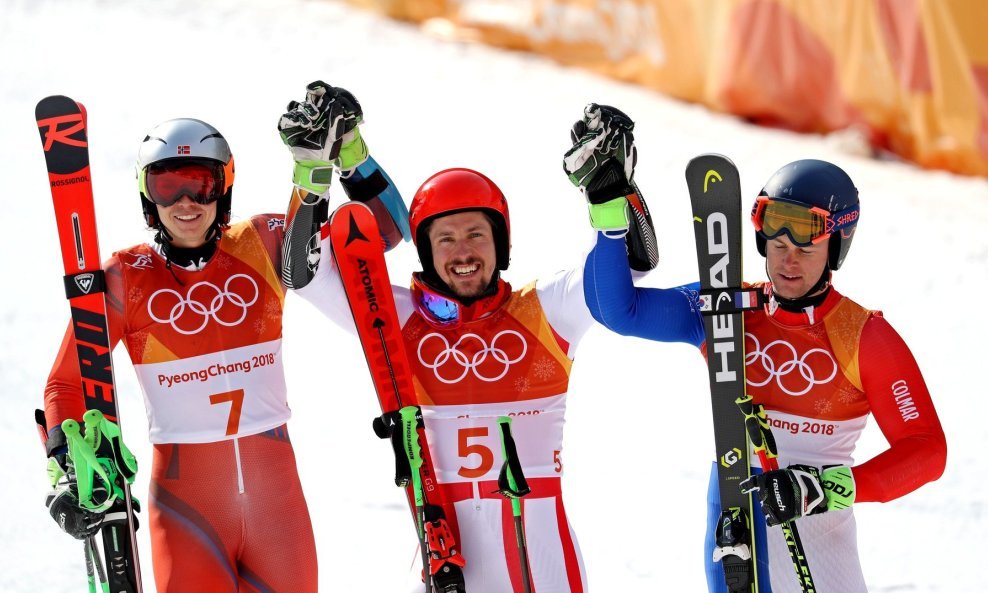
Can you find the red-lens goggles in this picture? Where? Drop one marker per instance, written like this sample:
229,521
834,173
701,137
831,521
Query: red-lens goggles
804,225
166,182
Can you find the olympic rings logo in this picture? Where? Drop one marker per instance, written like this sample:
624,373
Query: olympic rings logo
464,364
193,304
795,363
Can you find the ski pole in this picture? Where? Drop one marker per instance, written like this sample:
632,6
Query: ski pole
410,418
92,559
90,571
512,484
763,443
442,563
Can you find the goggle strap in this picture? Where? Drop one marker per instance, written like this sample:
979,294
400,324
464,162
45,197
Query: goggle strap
843,219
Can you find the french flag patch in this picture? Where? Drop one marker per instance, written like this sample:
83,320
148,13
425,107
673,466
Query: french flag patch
745,299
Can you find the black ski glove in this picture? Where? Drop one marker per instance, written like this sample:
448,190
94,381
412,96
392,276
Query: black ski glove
63,506
602,158
601,163
788,494
321,120
801,490
321,132
63,500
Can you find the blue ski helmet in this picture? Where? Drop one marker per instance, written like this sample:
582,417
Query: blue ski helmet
814,184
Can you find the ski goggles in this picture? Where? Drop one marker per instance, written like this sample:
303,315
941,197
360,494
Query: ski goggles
441,310
447,312
804,225
203,181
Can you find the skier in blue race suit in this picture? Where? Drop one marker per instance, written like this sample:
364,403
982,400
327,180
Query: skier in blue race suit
819,363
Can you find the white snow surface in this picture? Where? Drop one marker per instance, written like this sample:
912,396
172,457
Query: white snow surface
638,442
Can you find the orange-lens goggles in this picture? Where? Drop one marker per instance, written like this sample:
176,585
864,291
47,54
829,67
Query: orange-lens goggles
804,225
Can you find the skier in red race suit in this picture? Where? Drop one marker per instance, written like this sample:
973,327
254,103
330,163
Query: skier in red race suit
818,362
480,349
200,312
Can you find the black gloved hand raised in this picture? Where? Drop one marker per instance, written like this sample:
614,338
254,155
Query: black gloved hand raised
317,130
317,125
602,158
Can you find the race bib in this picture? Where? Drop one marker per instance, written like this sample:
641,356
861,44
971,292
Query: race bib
215,396
465,444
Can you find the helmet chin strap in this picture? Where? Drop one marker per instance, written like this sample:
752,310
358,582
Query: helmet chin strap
161,235
185,256
811,298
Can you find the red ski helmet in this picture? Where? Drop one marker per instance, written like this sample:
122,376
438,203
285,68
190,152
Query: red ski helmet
459,190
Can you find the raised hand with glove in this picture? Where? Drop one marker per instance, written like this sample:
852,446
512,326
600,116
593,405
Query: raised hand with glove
322,132
801,490
601,163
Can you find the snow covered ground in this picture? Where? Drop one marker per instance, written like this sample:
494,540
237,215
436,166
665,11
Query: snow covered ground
638,444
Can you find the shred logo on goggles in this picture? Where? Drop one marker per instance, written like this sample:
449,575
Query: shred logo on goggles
452,360
807,375
189,314
843,220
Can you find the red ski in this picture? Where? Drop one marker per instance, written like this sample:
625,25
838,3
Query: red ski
359,252
62,124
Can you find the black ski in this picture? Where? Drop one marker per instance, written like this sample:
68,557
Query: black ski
715,193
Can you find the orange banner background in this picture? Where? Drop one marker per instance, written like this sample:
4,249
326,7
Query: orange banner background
912,74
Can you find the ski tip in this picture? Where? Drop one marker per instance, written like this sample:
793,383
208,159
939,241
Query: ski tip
706,158
55,105
709,170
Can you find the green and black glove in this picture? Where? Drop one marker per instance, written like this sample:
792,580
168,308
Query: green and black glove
602,164
87,469
322,133
800,490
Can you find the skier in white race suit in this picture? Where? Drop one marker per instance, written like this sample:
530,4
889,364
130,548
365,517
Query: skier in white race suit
479,350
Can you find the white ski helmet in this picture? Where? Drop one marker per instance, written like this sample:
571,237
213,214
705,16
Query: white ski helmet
186,141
